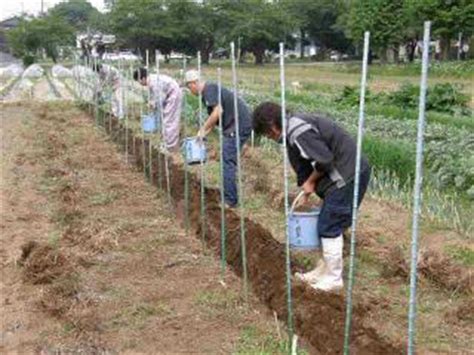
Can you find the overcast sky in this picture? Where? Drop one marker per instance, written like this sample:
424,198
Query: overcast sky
10,8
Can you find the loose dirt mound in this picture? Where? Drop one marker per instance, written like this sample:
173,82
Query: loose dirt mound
42,263
444,272
431,265
463,313
256,174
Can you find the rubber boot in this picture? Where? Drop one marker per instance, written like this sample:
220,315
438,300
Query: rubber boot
313,275
331,279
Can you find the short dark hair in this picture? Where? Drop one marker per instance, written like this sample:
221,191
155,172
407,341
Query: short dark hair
140,73
265,116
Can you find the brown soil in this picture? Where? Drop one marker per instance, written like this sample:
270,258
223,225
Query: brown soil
127,277
319,317
92,262
432,265
42,263
256,174
442,271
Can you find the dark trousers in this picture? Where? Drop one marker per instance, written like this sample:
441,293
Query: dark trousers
230,167
336,213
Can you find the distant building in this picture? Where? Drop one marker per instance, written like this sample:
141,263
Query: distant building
5,26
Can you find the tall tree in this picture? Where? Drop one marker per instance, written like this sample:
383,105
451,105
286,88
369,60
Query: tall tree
260,24
383,18
449,17
47,33
145,24
200,25
77,13
316,20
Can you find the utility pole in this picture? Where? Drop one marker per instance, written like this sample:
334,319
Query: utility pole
42,7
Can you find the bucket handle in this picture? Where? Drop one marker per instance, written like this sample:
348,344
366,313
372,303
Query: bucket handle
301,194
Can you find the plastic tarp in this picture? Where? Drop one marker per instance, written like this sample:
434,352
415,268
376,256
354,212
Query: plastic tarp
87,81
82,71
33,71
13,70
58,71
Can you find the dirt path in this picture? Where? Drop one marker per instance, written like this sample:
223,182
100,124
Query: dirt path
110,270
23,218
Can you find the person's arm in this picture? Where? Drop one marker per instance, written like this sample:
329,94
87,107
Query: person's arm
312,148
211,121
309,186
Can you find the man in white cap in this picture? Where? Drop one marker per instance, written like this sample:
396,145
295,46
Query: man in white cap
210,98
165,96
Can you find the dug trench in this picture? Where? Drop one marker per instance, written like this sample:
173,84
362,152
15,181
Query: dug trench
318,317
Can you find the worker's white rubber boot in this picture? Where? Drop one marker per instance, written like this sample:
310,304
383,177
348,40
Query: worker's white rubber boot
331,279
313,275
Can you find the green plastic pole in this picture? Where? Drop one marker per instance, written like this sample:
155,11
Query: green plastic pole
221,160
150,149
203,163
143,143
76,83
127,98
91,65
360,134
186,172
109,63
285,180
96,101
239,175
162,137
417,189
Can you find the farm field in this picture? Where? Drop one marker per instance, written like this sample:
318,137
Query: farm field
87,233
92,259
390,134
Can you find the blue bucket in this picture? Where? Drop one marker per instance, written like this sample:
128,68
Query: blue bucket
303,230
194,150
150,123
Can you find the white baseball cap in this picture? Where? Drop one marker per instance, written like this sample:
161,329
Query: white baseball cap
191,75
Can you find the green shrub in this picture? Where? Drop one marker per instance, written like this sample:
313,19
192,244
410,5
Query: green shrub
444,97
28,59
350,96
406,96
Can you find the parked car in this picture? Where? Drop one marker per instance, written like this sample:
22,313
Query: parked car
123,55
336,56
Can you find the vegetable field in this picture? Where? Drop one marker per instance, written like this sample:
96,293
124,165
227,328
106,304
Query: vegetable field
106,264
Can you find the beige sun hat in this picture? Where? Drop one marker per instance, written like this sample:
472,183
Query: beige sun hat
190,76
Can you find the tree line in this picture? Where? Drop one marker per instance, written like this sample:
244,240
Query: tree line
188,26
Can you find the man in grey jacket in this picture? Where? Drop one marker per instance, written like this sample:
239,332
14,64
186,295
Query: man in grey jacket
210,98
323,156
